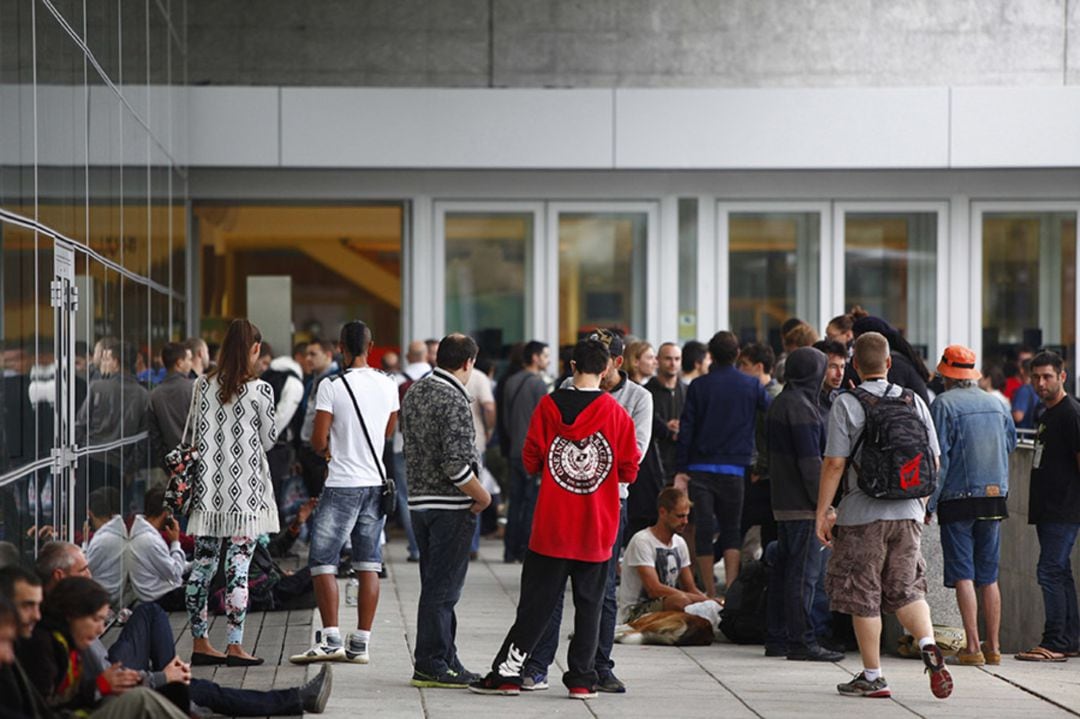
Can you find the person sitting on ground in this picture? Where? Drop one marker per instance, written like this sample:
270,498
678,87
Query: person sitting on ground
156,566
656,574
146,645
105,552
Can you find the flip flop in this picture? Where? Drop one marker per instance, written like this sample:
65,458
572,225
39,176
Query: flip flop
1041,654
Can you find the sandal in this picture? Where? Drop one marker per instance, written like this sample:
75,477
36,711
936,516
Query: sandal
1041,654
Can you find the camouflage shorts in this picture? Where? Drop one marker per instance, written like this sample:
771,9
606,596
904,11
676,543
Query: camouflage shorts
876,568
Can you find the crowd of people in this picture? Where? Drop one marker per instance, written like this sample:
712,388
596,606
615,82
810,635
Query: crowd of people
646,477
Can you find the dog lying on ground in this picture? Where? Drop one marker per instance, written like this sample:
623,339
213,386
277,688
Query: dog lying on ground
673,628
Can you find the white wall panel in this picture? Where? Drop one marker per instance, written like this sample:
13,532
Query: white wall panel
336,127
781,128
233,127
1016,127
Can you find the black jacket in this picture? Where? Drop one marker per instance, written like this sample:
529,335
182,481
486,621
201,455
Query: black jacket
796,436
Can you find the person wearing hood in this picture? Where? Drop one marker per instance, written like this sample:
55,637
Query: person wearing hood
907,370
796,440
582,443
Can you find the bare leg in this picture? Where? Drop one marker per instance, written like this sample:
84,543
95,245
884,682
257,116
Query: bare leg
969,613
868,634
705,566
732,557
991,601
326,596
916,619
367,599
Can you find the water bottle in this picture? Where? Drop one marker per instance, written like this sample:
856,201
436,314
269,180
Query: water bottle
352,591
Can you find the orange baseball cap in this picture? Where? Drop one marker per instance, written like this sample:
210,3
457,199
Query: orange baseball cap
958,362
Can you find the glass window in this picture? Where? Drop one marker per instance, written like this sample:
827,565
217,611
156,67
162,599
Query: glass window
890,262
488,277
601,272
688,268
1029,282
774,272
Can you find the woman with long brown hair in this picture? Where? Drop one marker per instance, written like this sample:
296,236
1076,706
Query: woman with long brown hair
232,497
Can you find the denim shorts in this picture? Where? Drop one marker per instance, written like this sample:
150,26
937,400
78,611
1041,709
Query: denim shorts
345,512
971,549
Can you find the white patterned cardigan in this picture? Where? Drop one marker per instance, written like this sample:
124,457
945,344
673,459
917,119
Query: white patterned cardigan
233,495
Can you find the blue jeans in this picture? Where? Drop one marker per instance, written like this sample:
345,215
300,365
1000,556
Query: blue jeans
444,537
1061,632
403,515
146,644
523,490
800,561
543,653
345,512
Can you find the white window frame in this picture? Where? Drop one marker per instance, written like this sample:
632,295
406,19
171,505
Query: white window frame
941,208
980,208
534,294
720,264
657,324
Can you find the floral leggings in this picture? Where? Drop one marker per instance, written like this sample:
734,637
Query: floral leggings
237,560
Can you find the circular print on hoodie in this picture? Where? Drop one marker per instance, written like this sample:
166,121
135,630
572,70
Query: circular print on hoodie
580,466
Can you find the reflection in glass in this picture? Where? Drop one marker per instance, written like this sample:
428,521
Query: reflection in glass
890,262
774,272
1029,281
601,273
488,277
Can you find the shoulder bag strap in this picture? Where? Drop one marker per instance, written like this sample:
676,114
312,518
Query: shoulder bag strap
363,426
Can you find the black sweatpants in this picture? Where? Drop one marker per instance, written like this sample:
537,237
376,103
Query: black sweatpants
543,581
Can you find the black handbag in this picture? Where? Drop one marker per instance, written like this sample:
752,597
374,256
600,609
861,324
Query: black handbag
181,464
388,498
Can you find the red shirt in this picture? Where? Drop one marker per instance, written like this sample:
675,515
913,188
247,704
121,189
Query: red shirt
577,509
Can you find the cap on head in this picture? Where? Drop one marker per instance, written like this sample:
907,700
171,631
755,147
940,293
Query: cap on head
958,362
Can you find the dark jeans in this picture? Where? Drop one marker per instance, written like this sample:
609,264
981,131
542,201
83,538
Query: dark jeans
1061,633
146,644
798,573
401,484
543,581
444,537
544,653
523,490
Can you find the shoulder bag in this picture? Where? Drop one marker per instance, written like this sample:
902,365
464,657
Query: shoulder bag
181,464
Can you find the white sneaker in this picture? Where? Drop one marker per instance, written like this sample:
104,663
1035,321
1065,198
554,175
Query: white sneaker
321,652
356,651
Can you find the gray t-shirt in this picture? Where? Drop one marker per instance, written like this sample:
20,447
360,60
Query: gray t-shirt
846,421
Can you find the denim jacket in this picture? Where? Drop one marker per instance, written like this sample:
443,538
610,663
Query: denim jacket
976,434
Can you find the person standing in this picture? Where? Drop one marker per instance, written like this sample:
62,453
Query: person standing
584,445
669,396
716,444
1054,508
522,392
232,497
977,436
416,368
877,563
695,361
354,414
796,441
482,408
200,356
445,496
321,365
170,402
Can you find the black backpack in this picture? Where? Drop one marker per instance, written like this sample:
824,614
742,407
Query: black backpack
896,461
743,619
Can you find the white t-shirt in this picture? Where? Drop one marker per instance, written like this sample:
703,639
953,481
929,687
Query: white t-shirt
479,389
645,550
351,463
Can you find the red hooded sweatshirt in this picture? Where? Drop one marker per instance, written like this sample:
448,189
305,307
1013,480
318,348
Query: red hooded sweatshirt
577,509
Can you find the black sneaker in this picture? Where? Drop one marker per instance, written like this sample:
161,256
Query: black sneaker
815,654
315,693
496,685
941,683
610,684
449,679
860,686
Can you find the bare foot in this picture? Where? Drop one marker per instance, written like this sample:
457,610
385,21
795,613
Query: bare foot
235,650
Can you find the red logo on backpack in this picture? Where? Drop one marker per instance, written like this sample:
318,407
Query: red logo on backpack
909,473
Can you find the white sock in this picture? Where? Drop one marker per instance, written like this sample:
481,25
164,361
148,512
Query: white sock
871,674
332,636
361,635
925,641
